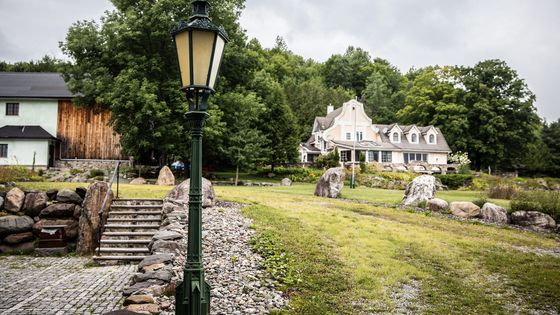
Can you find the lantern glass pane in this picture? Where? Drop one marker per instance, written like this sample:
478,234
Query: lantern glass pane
220,44
183,54
203,43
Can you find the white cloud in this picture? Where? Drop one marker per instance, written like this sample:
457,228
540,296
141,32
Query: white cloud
410,33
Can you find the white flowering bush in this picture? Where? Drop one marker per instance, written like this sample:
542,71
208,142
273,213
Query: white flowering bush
462,159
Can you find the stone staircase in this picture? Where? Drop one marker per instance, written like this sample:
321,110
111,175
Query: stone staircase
131,223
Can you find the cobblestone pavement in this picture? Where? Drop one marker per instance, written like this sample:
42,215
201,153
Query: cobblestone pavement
50,285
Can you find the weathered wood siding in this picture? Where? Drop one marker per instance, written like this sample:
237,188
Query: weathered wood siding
85,134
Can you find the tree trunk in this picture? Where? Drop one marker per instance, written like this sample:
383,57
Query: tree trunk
236,174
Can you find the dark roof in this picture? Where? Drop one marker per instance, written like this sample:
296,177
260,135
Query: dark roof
310,147
33,85
440,146
24,132
328,121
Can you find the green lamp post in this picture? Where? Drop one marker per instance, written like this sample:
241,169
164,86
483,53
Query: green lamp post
200,45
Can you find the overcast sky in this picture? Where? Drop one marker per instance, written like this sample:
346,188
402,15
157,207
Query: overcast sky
524,33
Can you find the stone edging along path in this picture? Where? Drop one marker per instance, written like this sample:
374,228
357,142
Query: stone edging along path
239,285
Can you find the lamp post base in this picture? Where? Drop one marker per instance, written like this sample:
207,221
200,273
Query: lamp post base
184,307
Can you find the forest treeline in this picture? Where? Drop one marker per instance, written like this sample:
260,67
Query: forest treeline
267,98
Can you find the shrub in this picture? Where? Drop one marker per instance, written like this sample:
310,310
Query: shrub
16,173
362,163
96,173
454,181
539,200
480,201
331,159
502,191
76,171
295,174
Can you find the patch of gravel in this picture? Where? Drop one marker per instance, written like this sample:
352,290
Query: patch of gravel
539,251
239,284
406,298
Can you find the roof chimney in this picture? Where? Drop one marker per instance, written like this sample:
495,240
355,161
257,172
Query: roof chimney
330,109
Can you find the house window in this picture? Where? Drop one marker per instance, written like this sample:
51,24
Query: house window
410,157
348,136
432,139
386,156
414,138
12,109
395,137
359,135
373,156
345,156
3,150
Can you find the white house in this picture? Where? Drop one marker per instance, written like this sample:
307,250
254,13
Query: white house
348,129
28,121
39,123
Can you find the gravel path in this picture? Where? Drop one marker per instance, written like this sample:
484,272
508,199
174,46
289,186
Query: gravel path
50,285
239,285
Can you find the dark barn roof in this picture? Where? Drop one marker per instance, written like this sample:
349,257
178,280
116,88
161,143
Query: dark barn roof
24,132
33,85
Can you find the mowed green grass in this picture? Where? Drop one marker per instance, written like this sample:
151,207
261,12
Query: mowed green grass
355,258
125,190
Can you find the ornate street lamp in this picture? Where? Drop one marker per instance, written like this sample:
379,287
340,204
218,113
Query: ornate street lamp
200,47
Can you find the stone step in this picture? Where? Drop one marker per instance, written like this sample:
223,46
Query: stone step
118,258
113,207
131,226
129,234
125,242
140,212
125,236
113,220
138,199
124,250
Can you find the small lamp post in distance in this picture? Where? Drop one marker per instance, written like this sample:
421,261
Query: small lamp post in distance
200,46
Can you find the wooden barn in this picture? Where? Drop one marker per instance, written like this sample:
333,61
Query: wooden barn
40,125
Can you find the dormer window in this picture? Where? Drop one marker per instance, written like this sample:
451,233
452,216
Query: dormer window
432,139
414,138
395,137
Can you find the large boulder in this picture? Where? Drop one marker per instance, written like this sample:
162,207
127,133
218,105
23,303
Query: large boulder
331,182
1,202
34,203
89,219
14,200
286,182
18,238
534,220
17,248
437,204
13,224
70,229
69,196
180,194
166,177
422,188
493,213
59,210
464,209
52,194
81,191
138,181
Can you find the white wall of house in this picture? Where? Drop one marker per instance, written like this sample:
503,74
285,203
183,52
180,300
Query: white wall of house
31,113
20,152
437,158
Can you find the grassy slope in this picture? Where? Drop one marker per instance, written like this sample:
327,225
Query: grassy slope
125,190
353,257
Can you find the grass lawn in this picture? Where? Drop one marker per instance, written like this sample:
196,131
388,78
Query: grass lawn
354,258
125,190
